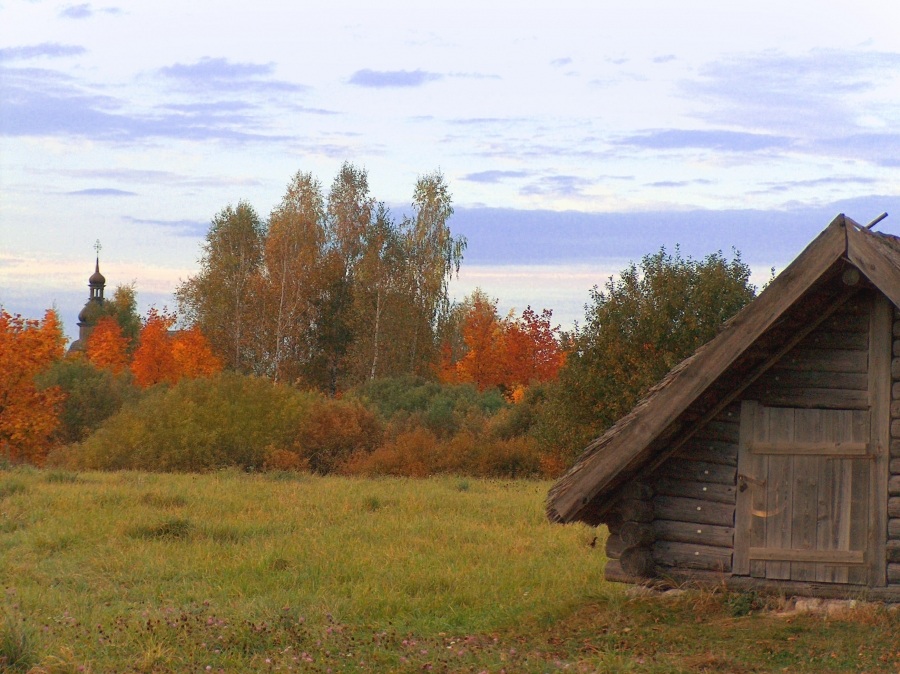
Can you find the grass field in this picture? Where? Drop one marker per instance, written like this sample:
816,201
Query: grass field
228,572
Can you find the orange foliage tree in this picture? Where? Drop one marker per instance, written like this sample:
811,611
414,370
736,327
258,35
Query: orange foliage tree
107,346
162,357
153,361
193,354
510,353
483,363
28,416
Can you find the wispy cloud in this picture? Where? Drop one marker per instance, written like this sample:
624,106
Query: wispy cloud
220,74
40,102
680,183
152,177
85,11
557,186
493,176
791,186
809,94
666,58
392,78
189,228
101,192
45,49
729,141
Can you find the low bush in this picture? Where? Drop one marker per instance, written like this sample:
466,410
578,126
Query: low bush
200,425
443,409
92,395
418,453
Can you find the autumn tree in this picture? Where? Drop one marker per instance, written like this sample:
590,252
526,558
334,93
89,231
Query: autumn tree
28,414
193,354
332,291
378,301
221,299
107,346
293,259
507,353
482,332
153,361
532,348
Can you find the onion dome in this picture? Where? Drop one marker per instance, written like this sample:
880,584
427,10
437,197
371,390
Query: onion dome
97,279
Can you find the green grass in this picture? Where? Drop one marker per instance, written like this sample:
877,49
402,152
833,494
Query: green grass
134,572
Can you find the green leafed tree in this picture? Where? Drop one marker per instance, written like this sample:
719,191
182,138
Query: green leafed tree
222,299
637,327
432,255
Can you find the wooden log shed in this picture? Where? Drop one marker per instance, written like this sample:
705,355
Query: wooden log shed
770,458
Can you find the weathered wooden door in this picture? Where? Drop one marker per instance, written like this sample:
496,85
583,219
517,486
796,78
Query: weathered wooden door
805,482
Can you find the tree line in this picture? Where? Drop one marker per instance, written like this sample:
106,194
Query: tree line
330,290
324,338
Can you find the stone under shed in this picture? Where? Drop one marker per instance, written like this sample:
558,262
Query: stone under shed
769,459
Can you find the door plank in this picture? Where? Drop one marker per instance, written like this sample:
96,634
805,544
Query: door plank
779,488
809,556
810,427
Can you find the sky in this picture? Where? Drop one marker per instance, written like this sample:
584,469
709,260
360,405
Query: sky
575,136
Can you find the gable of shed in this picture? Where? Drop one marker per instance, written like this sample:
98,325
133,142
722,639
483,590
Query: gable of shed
698,389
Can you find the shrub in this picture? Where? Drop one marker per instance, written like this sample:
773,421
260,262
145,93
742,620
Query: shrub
200,425
444,409
332,430
92,395
407,455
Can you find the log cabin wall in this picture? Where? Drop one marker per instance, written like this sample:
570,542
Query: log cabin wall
893,506
694,493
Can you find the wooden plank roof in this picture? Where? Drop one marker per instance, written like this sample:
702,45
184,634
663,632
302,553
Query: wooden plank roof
637,441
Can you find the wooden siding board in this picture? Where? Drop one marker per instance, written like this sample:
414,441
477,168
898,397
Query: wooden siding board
826,360
710,451
815,398
880,345
687,532
692,556
704,491
694,510
701,471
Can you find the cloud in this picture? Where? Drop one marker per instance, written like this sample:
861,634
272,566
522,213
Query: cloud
154,178
680,183
188,228
729,141
85,11
493,176
102,192
220,74
39,102
559,63
815,94
557,186
665,58
882,149
483,121
46,49
392,78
